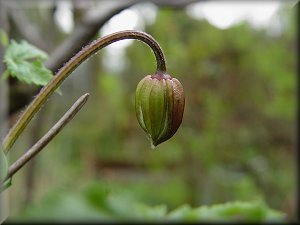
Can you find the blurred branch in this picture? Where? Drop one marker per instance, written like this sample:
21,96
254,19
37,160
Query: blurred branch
174,3
85,31
92,21
67,117
26,28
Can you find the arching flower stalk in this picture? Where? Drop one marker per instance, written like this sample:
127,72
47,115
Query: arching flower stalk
160,98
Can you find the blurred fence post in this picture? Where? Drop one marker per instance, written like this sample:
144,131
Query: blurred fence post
3,108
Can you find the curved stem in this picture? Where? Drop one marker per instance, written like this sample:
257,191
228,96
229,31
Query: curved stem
69,67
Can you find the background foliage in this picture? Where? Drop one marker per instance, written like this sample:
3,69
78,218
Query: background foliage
236,143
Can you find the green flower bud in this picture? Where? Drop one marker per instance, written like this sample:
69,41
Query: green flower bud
159,106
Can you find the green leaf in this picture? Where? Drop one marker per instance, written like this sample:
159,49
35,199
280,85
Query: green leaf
179,213
24,61
24,51
238,211
124,206
61,208
28,72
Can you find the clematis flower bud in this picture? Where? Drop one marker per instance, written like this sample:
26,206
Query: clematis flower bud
159,106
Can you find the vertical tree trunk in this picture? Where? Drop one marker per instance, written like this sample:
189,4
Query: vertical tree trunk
3,108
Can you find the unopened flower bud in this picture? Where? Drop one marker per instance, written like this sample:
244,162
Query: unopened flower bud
159,105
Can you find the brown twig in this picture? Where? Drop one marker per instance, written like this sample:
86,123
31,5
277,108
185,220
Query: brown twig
67,117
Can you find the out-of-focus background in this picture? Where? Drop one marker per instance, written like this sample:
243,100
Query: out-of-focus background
237,62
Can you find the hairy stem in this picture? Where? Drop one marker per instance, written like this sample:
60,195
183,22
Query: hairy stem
69,67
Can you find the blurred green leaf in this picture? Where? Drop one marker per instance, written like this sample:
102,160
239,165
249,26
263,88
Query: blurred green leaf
239,211
61,207
179,213
123,206
230,211
24,61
